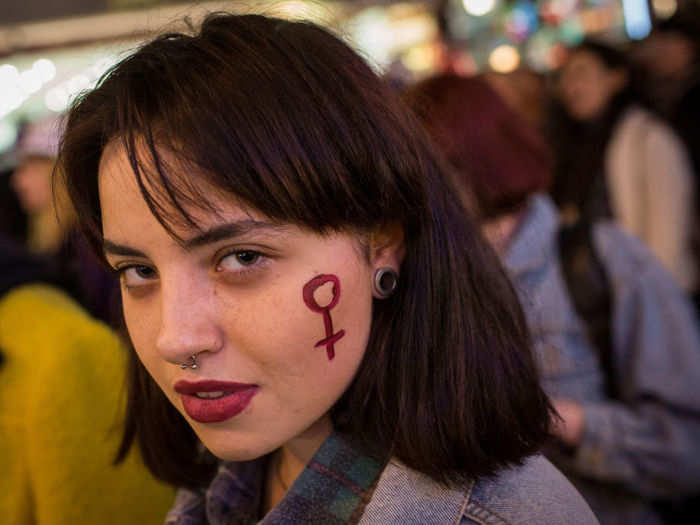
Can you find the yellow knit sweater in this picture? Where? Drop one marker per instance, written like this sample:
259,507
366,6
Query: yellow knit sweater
61,404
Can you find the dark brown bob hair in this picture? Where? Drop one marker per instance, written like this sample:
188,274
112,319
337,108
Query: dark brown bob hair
494,151
287,119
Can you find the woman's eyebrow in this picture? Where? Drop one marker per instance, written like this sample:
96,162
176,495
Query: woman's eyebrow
216,233
112,248
231,230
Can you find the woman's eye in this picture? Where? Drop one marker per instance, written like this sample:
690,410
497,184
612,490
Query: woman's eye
238,260
137,275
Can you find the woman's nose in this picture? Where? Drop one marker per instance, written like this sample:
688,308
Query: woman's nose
188,322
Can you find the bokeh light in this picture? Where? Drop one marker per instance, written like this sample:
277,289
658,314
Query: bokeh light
504,59
665,8
45,69
420,58
637,19
478,7
57,98
30,81
8,74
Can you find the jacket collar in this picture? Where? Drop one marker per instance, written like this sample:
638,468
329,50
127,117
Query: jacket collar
533,242
403,492
333,489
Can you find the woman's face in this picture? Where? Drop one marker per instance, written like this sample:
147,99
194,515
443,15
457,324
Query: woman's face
32,183
587,85
253,300
670,54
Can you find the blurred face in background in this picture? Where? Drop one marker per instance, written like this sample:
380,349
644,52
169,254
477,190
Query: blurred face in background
32,183
670,54
523,90
587,85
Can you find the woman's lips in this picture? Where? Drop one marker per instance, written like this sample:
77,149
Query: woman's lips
235,398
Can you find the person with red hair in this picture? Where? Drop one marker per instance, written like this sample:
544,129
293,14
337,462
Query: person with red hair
501,160
608,337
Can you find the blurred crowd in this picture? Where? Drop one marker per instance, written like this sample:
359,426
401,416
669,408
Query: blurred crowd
585,181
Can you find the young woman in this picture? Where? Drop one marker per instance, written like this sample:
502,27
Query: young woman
319,335
616,339
617,160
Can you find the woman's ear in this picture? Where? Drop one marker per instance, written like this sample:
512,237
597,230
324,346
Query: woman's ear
386,247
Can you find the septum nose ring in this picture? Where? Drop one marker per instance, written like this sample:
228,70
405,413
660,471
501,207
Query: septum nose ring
193,366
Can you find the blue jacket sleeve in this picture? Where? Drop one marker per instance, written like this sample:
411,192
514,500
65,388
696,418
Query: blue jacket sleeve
649,439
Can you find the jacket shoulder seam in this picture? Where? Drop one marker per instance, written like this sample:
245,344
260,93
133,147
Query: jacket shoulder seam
479,513
465,503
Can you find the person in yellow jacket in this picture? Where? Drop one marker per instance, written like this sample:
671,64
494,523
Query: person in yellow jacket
61,408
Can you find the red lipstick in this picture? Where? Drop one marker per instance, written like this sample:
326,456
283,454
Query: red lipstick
212,401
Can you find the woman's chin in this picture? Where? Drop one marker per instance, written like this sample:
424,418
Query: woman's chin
237,451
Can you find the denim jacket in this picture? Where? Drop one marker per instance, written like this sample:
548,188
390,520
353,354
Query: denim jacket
535,492
343,486
646,444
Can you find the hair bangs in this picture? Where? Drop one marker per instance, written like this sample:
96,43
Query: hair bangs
291,157
166,183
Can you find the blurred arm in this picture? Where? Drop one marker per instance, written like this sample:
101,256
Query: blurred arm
649,440
669,194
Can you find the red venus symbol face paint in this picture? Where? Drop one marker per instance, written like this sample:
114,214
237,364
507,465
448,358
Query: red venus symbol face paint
309,290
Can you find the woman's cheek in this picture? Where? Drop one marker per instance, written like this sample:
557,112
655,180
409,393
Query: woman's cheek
321,295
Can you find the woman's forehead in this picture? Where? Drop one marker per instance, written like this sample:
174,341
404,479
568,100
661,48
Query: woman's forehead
186,200
136,158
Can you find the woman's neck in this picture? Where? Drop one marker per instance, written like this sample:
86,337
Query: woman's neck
288,461
499,232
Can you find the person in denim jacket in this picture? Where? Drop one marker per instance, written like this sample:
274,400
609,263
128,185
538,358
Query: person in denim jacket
320,335
625,450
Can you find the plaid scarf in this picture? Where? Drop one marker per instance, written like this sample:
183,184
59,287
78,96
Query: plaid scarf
333,489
